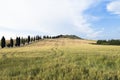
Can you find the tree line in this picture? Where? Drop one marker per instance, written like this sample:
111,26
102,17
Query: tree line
20,41
108,42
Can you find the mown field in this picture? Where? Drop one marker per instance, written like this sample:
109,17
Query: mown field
60,59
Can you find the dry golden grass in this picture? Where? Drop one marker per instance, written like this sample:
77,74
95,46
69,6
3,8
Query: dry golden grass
60,59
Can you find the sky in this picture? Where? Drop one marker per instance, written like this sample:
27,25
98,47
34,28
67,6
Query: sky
90,19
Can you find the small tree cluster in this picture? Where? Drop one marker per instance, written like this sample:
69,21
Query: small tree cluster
38,37
102,42
47,37
114,42
109,42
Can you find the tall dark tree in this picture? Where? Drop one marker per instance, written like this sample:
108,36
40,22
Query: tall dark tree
16,44
11,42
28,39
3,42
19,41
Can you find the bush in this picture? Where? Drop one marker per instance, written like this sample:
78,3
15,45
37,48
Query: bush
101,42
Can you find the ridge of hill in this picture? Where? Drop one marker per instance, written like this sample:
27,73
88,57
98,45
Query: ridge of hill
69,36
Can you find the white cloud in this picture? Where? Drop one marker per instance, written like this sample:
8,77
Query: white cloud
46,16
86,28
114,7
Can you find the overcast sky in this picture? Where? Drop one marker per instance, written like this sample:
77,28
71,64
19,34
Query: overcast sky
91,19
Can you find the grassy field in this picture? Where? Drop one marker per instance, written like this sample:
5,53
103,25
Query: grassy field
60,59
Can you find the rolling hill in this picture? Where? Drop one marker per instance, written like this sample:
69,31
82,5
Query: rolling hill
60,59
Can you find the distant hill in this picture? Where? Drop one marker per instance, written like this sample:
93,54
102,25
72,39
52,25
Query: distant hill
68,36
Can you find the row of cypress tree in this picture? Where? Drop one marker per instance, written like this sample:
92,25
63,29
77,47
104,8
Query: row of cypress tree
18,41
22,41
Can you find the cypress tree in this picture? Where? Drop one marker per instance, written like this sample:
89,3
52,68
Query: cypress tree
16,44
19,41
3,42
28,39
11,42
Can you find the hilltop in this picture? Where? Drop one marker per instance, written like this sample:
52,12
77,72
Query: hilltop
68,36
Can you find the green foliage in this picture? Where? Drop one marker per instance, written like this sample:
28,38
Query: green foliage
114,42
71,36
67,36
109,42
101,42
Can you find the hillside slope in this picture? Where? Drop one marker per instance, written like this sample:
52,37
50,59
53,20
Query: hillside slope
60,59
